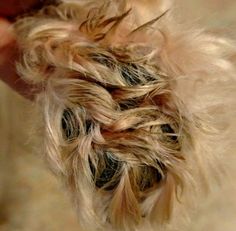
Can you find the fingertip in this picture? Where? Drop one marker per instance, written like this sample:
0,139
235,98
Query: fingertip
6,33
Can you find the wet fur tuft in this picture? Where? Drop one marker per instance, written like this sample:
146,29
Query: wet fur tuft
133,111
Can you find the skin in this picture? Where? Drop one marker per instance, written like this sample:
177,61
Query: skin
8,46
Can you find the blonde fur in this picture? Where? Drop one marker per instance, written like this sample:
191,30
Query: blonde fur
150,100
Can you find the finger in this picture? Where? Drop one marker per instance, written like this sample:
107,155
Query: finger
6,33
8,57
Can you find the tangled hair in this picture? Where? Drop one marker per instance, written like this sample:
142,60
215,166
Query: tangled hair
133,109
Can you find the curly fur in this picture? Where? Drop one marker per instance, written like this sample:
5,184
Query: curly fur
136,111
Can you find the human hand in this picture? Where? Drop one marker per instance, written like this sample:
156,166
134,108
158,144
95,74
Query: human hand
8,45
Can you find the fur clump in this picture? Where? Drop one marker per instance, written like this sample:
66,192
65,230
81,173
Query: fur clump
133,111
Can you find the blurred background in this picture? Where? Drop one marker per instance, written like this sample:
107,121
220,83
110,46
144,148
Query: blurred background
32,199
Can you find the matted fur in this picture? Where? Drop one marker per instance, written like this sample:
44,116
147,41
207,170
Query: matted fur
152,98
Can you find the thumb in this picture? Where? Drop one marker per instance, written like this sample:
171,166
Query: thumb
6,33
8,57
